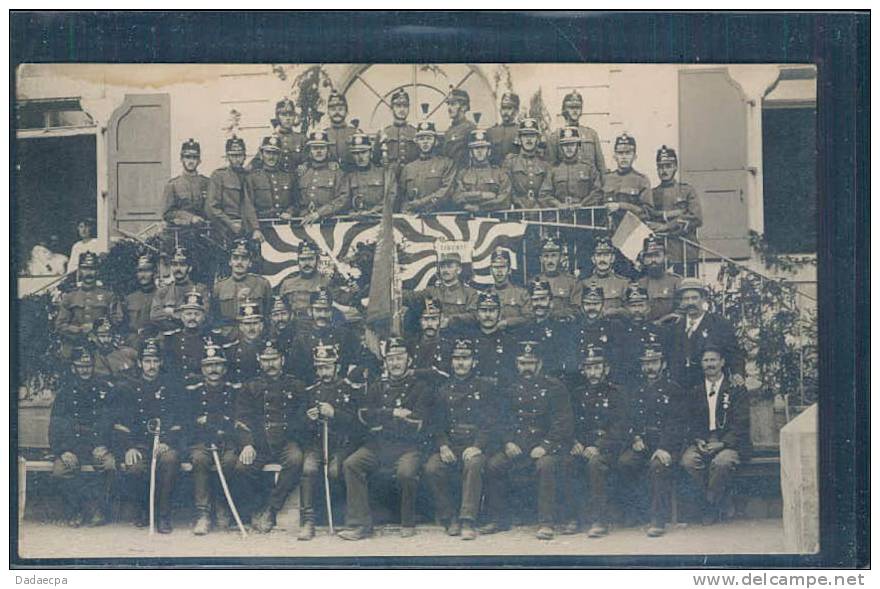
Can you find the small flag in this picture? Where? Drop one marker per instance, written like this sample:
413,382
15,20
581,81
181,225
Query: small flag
630,234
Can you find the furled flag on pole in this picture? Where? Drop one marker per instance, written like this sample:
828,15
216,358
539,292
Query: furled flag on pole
630,234
382,308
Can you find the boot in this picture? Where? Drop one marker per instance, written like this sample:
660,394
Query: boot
453,528
76,520
656,530
264,521
358,533
569,528
98,518
597,530
306,531
142,518
545,533
202,525
493,528
407,531
467,530
164,526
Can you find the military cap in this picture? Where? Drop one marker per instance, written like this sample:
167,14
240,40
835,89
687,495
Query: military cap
652,351
569,135
88,260
449,257
593,292
479,138
624,141
500,257
82,356
603,246
269,352
279,305
318,138
459,95
666,154
593,355
713,346
529,127
336,98
395,345
320,298
652,243
488,300
634,293
240,247
307,247
249,311
528,350
271,143
235,145
285,105
400,95
191,147
145,262
102,324
463,348
430,308
692,284
426,128
180,255
150,349
539,288
325,353
359,142
510,99
550,245
193,300
212,353
573,96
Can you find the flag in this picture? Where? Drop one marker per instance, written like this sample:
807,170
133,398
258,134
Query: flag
383,307
630,234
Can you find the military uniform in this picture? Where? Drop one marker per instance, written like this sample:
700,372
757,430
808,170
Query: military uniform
505,141
171,296
292,142
630,187
565,293
339,136
571,184
230,203
80,308
527,173
493,350
455,141
309,335
678,211
185,196
184,350
116,361
585,332
431,356
514,303
426,183
230,292
457,300
320,185
632,336
274,188
613,285
661,293
364,189
481,186
137,307
398,141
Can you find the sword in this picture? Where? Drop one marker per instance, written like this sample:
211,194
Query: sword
229,501
154,426
326,435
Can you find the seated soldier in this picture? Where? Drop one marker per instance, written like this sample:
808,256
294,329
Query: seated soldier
240,284
514,298
527,169
481,186
367,186
535,424
185,195
298,288
564,287
719,435
426,184
571,182
212,428
463,420
394,414
80,432
661,285
270,417
274,187
113,358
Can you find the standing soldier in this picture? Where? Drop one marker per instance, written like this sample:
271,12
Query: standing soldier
137,305
113,358
320,180
334,400
564,287
632,333
492,342
241,284
398,138
80,430
455,140
481,186
291,140
230,203
652,440
426,183
571,182
504,136
271,422
297,288
599,411
590,150
537,428
164,310
152,402
394,414
463,419
676,211
185,195
552,332
365,186
456,299
514,299
431,348
212,401
661,285
80,307
603,275
274,187
184,346
590,328
527,169
243,352
281,326
339,132
626,189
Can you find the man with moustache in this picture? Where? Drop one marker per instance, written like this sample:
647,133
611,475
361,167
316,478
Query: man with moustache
504,136
282,330
242,353
398,138
571,183
492,343
183,347
320,180
366,185
514,299
291,141
230,201
590,328
661,285
590,149
553,333
426,183
137,305
481,186
339,132
456,299
185,195
527,169
274,187
564,287
431,348
298,288
632,332
604,276
455,140
164,311
81,306
113,358
241,284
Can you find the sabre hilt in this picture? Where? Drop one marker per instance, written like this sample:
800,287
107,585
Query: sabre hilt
154,425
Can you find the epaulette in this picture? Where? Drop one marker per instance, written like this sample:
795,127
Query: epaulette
192,387
171,332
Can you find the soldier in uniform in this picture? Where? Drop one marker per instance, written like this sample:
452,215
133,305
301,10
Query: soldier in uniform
456,299
393,413
455,140
137,305
271,422
426,183
183,347
164,310
504,136
292,141
398,139
537,427
334,400
281,326
114,359
240,284
80,307
676,211
626,189
462,421
565,288
590,328
185,195
320,180
80,430
590,150
514,298
230,203
552,332
661,285
365,186
297,288
599,411
274,186
603,275
492,342
243,352
431,349
527,169
632,332
339,132
719,435
652,439
152,402
212,425
570,182
481,186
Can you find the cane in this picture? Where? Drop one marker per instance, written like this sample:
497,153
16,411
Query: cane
326,436
229,501
154,426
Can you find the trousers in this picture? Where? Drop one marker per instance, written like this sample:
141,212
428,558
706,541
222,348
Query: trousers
167,471
312,479
405,464
632,468
85,492
585,487
711,474
468,474
204,491
289,455
499,469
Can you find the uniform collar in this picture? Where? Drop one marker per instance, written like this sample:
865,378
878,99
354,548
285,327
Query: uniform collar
400,124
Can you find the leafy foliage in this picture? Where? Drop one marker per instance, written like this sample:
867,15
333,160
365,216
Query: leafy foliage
307,93
539,112
502,81
37,346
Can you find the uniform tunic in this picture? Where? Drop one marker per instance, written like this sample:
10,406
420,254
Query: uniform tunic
527,173
230,202
456,301
144,400
296,290
171,296
363,190
586,332
661,293
589,150
230,292
344,428
83,415
455,141
292,150
351,351
571,184
242,359
655,413
216,405
514,303
271,411
482,186
631,337
399,140
554,337
185,196
631,189
115,361
386,394
539,414
319,185
494,351
677,203
613,285
505,141
80,307
183,351
431,357
338,135
426,184
274,192
137,308
565,293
